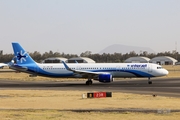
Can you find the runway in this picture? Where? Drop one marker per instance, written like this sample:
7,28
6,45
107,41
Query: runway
161,86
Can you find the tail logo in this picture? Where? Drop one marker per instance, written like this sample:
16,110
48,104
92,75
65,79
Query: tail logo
21,56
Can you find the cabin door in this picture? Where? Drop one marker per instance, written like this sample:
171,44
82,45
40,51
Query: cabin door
149,68
78,67
118,68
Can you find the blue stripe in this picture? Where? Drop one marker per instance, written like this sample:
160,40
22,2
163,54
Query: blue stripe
135,72
31,68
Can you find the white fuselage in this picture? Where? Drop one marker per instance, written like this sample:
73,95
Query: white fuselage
116,69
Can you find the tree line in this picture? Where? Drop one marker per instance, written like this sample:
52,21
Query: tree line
99,58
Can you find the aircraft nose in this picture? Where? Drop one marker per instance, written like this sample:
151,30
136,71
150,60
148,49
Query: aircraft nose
166,72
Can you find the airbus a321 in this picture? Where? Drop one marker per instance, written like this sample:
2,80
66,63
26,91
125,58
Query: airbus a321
102,72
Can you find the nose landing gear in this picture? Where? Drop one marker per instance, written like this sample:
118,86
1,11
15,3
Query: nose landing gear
149,81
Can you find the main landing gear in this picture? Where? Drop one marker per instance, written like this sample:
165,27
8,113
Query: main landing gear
89,82
149,81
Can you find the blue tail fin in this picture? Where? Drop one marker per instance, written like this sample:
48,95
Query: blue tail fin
21,56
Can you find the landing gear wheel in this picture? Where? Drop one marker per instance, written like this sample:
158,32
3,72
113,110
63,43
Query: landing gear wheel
149,82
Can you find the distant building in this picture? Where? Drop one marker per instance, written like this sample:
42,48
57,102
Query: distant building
163,60
137,60
80,60
54,60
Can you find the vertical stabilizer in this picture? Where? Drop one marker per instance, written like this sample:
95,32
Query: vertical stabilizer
21,56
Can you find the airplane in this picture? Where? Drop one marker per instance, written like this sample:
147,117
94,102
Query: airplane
2,65
102,72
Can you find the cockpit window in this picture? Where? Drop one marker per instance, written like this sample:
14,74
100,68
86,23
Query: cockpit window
159,67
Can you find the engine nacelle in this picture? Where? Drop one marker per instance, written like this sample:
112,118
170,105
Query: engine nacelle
105,78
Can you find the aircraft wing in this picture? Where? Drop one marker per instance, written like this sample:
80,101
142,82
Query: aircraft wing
84,73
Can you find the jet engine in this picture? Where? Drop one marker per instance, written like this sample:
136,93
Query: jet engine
105,78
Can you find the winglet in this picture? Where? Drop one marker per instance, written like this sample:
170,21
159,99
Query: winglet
66,66
76,61
11,62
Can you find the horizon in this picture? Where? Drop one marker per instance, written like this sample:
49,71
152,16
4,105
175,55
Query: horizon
139,52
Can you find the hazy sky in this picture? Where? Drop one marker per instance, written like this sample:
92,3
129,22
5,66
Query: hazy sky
75,26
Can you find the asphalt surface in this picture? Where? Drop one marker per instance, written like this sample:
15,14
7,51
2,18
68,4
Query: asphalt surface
161,86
